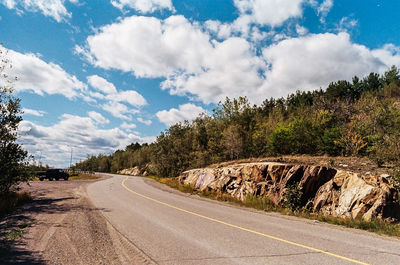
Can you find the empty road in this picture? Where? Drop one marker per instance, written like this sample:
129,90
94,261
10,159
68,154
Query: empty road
175,228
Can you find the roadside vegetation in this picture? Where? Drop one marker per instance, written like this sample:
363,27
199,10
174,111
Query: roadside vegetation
83,176
10,202
13,158
351,119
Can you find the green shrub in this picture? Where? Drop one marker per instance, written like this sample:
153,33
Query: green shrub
292,197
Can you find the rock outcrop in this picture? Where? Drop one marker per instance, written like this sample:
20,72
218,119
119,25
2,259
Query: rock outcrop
135,171
323,189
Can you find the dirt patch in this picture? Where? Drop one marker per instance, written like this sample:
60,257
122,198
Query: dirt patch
61,226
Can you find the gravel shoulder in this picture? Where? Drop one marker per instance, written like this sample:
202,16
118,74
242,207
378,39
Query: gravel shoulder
61,226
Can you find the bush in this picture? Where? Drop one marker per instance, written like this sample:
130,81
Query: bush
292,197
13,166
11,201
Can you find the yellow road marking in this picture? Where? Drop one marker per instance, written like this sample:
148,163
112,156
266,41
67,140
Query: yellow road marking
242,228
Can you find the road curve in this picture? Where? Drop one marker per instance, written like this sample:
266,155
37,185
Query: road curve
174,228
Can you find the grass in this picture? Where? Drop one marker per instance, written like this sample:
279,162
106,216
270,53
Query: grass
17,232
264,204
84,176
77,176
11,201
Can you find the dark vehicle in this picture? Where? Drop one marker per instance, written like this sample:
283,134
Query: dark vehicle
51,174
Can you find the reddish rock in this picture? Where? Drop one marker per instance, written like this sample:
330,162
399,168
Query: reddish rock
325,190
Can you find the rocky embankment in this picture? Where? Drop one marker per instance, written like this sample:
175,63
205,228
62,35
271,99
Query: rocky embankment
325,190
135,171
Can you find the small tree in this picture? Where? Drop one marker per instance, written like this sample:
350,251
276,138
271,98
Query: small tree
232,142
12,156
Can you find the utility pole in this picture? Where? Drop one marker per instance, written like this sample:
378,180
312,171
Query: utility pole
70,161
40,158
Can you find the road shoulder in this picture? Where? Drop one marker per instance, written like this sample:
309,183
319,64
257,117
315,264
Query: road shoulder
61,226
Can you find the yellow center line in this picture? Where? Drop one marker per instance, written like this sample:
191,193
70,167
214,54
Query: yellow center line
242,228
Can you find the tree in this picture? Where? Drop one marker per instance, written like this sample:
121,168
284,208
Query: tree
232,142
13,168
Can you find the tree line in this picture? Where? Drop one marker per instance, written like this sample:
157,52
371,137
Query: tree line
358,118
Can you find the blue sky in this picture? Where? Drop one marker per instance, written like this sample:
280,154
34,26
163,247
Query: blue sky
95,76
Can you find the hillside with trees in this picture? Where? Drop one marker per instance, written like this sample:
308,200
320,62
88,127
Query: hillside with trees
359,118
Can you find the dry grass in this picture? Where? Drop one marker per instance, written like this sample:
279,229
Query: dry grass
84,176
11,201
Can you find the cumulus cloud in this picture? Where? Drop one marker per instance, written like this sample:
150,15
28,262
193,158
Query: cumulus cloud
313,61
38,113
187,112
300,30
143,6
119,110
182,53
161,47
128,126
146,122
97,117
37,76
79,133
101,84
129,96
231,69
50,8
196,65
268,12
114,98
109,92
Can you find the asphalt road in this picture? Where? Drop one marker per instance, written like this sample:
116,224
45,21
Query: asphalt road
175,228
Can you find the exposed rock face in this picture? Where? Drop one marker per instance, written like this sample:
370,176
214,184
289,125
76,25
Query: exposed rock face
135,171
325,190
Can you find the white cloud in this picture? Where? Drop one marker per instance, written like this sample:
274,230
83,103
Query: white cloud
161,47
101,84
221,30
205,69
324,9
231,69
119,110
49,8
114,98
315,60
187,112
37,76
81,133
180,51
98,118
268,12
146,122
128,126
347,23
38,113
300,30
130,96
144,6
